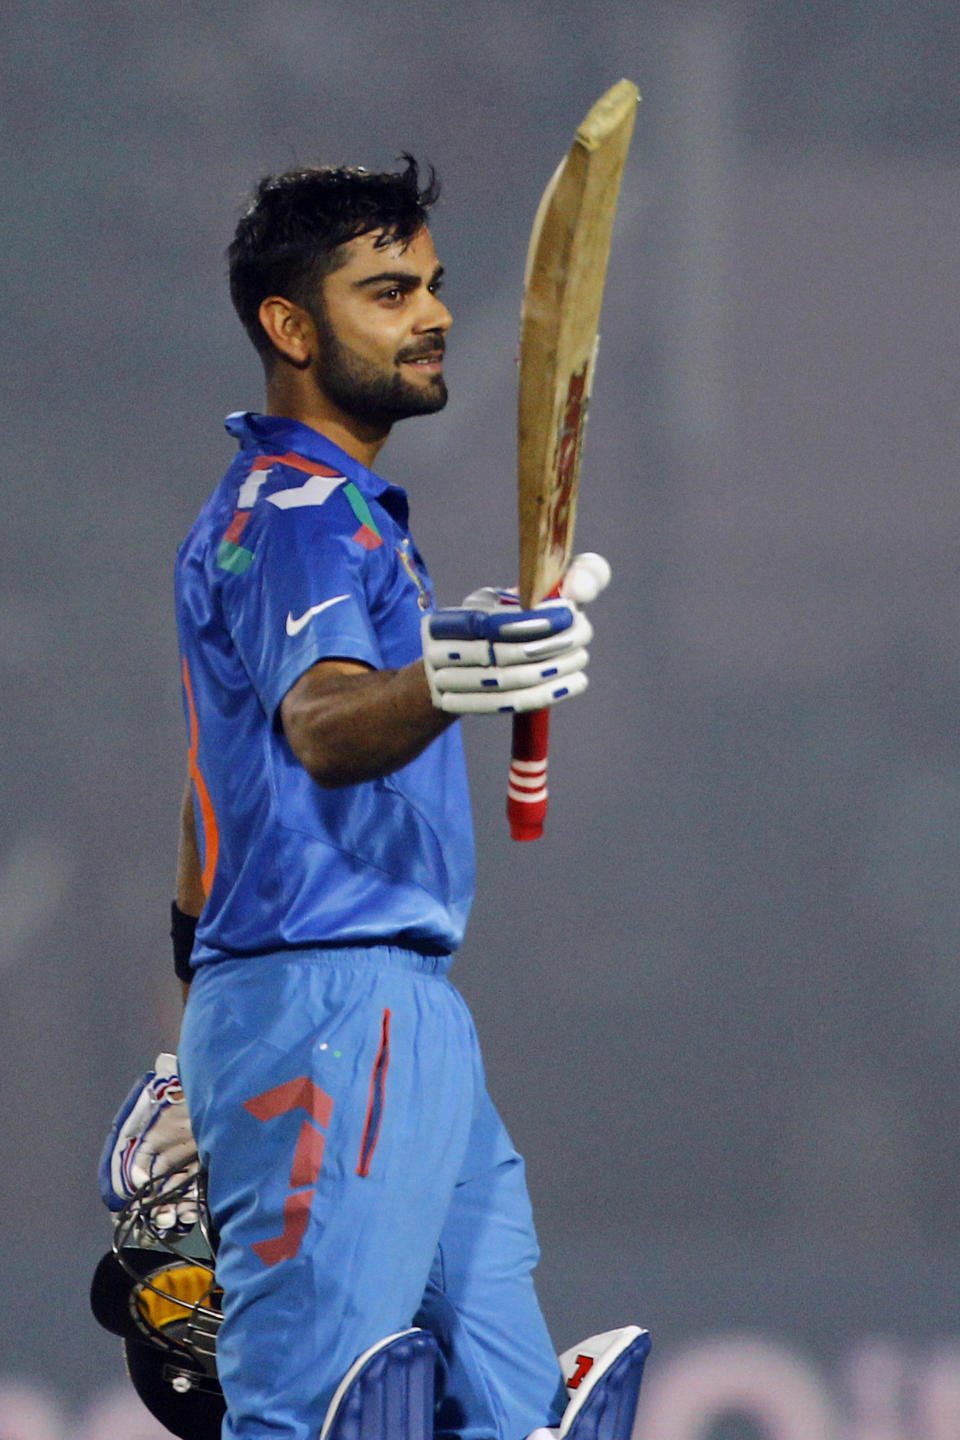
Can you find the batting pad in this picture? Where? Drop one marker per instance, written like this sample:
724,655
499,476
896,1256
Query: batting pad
388,1391
603,1377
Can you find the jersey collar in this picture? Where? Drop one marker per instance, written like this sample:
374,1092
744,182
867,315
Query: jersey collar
274,433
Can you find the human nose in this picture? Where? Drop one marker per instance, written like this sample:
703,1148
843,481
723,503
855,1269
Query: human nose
435,315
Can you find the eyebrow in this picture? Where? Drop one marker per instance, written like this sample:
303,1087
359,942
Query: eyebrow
407,278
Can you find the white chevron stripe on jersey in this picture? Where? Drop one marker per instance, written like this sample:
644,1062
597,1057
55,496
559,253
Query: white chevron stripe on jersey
315,491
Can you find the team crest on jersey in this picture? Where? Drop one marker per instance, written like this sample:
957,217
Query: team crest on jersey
409,564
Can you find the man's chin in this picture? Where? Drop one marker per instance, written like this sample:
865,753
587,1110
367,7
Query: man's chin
423,399
397,402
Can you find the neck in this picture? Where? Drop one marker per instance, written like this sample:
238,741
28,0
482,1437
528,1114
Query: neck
292,397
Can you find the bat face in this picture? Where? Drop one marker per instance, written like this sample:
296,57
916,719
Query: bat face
560,493
566,270
563,292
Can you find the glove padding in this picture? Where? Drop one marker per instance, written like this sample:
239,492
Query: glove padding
151,1139
489,655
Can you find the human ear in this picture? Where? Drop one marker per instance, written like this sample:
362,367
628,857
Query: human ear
289,329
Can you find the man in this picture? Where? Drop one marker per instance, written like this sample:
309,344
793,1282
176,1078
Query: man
358,1174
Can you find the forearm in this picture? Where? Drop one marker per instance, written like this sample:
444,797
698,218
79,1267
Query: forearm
189,888
189,891
347,724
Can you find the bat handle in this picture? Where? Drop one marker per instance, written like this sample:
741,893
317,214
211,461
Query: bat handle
527,787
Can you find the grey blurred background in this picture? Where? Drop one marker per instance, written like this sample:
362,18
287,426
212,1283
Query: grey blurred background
720,999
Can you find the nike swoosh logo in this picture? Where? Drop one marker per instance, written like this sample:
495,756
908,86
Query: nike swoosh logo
295,626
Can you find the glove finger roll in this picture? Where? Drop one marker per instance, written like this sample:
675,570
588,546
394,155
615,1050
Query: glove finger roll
576,636
513,702
443,652
511,677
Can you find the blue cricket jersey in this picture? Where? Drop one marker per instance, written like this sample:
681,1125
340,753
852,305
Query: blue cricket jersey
300,555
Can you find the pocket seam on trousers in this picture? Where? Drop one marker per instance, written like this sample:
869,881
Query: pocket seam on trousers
378,1089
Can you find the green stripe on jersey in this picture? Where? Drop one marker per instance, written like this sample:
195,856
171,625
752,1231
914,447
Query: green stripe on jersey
234,557
360,508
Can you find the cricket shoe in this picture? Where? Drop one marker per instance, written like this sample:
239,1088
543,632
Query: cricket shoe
602,1376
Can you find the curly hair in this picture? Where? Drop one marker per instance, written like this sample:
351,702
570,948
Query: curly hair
297,224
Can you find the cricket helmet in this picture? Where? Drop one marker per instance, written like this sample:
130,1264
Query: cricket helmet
159,1293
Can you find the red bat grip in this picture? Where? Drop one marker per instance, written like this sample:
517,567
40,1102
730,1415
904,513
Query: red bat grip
527,787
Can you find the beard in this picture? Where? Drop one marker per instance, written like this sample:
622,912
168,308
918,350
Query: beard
368,393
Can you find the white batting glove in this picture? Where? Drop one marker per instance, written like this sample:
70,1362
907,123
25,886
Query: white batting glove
151,1139
488,656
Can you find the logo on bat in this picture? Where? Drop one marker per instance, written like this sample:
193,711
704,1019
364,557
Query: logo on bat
569,437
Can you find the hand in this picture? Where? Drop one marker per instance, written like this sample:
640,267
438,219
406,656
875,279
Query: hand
151,1140
489,656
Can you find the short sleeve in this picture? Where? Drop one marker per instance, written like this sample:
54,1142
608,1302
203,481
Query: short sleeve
302,598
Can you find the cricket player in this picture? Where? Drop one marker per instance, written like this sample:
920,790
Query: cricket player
359,1176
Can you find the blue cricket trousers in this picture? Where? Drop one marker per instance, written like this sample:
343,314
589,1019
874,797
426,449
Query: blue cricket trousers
361,1181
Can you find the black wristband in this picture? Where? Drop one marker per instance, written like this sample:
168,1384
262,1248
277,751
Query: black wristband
183,928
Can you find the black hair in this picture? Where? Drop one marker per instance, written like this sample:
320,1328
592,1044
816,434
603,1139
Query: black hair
293,232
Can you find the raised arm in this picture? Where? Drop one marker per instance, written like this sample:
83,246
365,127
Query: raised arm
347,723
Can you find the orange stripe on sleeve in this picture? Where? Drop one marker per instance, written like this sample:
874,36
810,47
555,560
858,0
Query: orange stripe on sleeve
208,819
296,462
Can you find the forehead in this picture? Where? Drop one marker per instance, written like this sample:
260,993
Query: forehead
364,257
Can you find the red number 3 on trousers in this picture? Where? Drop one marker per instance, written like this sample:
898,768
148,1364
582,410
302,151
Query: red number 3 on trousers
299,1094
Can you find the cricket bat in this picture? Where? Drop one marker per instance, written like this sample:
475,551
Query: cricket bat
563,294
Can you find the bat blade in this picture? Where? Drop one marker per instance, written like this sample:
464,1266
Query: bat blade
563,295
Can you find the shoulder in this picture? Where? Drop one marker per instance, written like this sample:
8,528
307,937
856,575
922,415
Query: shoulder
310,500
265,497
276,505
287,482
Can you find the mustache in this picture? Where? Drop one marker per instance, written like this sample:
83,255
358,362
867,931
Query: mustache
436,345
